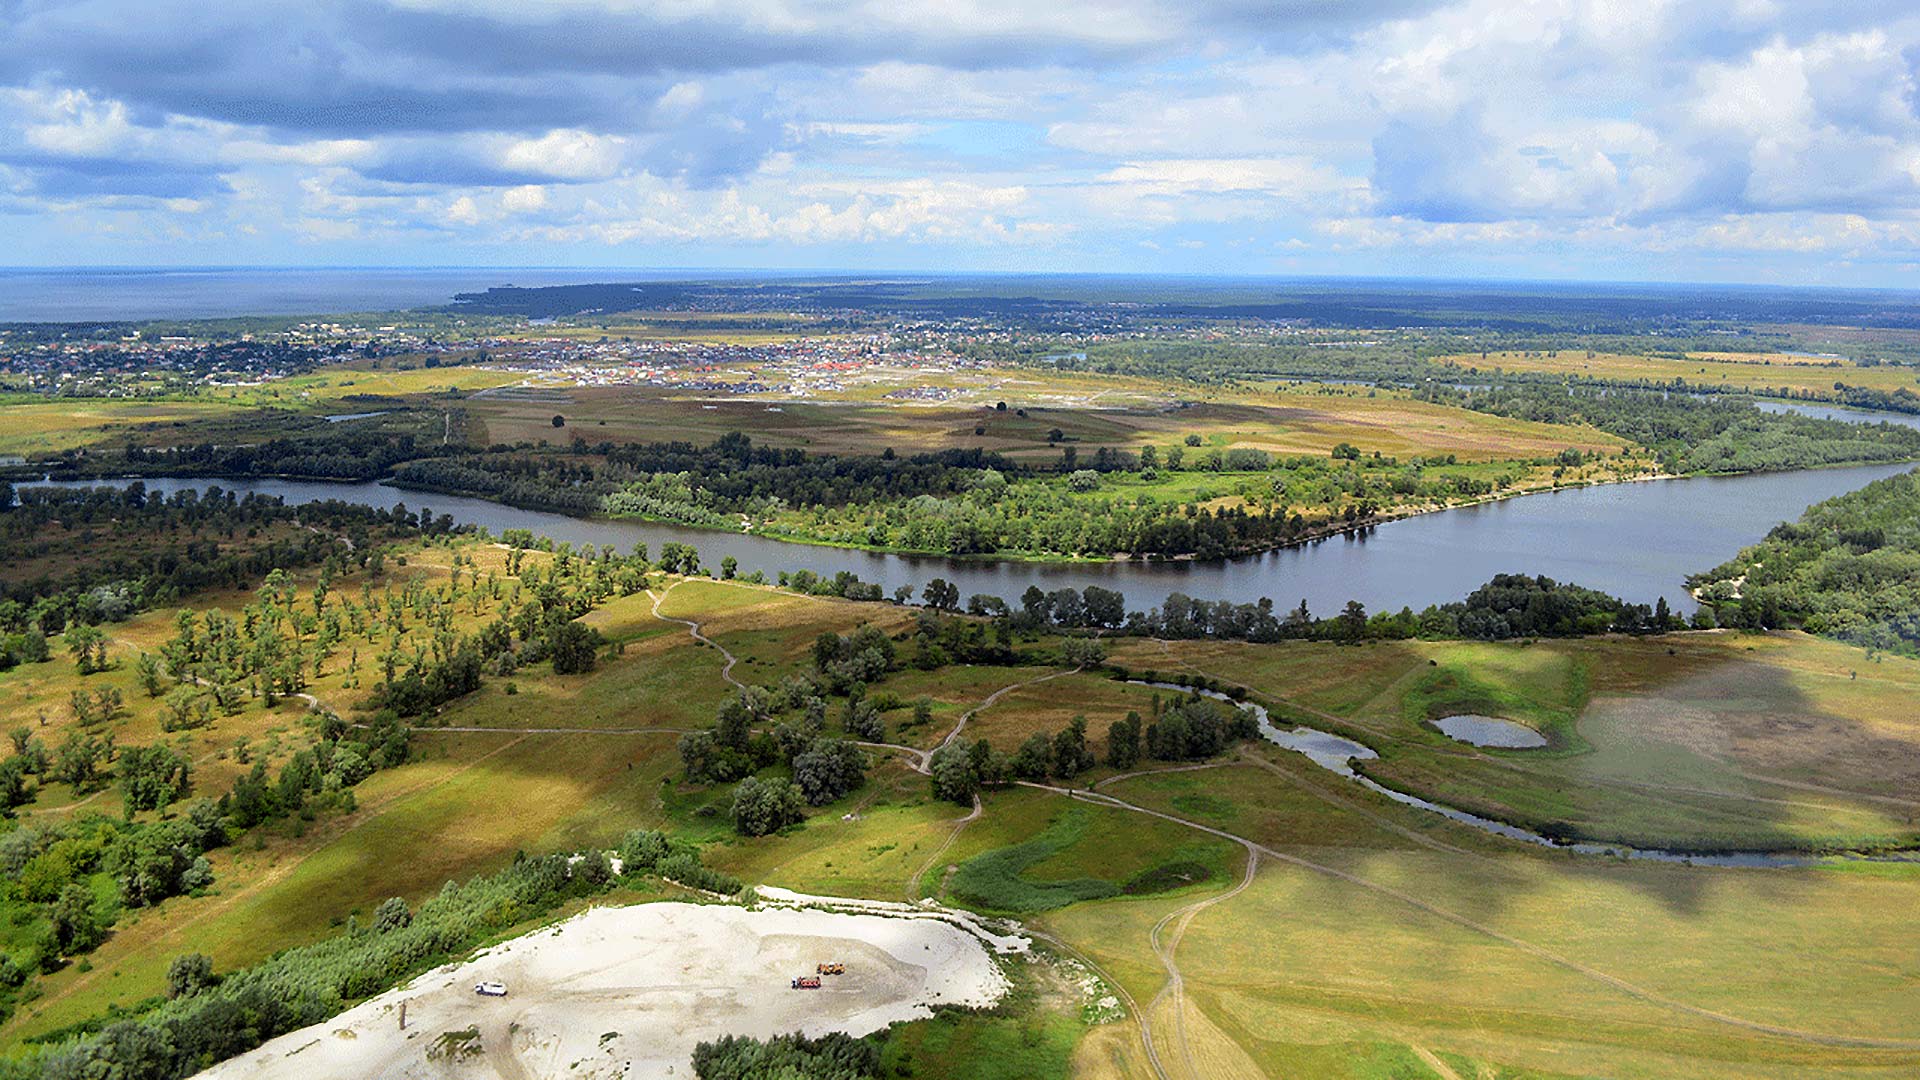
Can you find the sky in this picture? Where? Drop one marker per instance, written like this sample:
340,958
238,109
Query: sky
1704,140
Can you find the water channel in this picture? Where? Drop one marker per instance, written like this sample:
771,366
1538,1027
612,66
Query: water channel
1337,754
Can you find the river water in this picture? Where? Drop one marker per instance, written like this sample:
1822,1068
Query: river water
1637,541
1839,412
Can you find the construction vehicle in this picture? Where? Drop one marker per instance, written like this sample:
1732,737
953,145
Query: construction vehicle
831,969
807,982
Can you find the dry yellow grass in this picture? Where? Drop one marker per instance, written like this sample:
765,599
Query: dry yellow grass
1735,371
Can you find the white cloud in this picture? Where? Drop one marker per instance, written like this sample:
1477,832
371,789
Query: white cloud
524,199
1478,128
566,154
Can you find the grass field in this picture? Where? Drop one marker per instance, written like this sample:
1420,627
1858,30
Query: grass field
1700,741
48,427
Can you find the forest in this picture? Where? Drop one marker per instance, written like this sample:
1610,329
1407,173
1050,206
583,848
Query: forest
1848,568
148,550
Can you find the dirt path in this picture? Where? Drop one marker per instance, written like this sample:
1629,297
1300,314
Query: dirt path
1353,807
1540,952
1174,989
693,628
1126,997
1433,1062
992,700
959,823
1161,772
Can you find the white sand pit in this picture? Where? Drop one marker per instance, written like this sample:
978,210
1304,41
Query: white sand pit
627,992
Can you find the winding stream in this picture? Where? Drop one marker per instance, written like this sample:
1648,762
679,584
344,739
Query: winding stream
1337,754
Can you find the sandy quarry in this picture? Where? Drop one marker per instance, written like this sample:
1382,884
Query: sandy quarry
627,992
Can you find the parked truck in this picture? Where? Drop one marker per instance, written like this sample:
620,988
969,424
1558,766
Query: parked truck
807,982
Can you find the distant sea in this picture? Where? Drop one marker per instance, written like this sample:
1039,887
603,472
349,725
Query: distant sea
134,294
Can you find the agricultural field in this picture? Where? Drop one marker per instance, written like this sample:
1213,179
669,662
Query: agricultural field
1089,412
1755,372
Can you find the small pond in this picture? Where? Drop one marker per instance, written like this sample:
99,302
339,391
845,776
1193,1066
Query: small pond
1489,731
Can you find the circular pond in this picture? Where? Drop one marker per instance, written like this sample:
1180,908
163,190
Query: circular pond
1489,731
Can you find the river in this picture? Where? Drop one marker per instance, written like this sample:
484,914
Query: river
1637,541
1838,412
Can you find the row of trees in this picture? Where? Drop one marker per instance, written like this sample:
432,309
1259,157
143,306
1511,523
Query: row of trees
1194,728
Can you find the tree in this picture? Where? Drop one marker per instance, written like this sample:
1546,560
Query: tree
953,774
1071,757
641,850
1034,759
829,769
392,914
764,806
78,761
728,567
1353,621
863,721
1123,742
733,724
88,647
189,974
33,647
559,421
152,777
13,783
76,929
1104,607
1083,652
149,669
941,595
572,644
185,707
